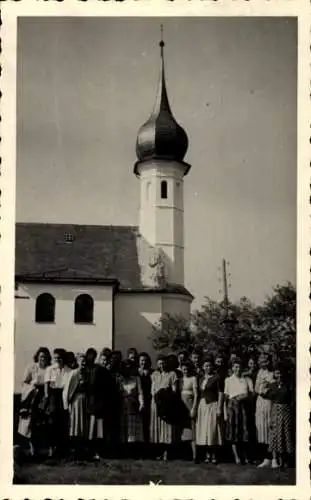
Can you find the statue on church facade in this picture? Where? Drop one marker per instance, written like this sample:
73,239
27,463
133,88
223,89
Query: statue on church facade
157,265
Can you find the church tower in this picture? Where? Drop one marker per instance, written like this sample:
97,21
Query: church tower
161,147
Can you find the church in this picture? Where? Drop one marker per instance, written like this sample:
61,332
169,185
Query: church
80,286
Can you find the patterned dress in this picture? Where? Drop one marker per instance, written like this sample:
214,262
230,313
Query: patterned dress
161,431
209,428
188,390
237,418
281,433
263,406
132,422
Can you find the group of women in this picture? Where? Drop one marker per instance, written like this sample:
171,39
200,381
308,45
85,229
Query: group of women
99,405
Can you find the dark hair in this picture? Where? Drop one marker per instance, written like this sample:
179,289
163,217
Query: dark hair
70,356
145,355
61,353
172,362
189,365
208,359
161,357
132,350
184,353
197,352
106,352
45,351
91,351
116,354
236,361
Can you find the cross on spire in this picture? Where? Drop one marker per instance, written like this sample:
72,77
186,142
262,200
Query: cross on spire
161,41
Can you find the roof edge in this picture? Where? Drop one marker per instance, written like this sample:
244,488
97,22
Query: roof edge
66,281
186,166
170,289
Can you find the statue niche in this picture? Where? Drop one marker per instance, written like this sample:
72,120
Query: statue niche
157,267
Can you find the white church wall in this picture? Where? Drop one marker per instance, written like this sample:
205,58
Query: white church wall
176,305
134,316
30,335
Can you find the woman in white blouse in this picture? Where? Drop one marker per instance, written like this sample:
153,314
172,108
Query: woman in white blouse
55,379
31,421
238,390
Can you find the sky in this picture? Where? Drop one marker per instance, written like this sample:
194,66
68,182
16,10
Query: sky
86,85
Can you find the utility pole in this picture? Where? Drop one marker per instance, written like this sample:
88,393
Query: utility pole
225,283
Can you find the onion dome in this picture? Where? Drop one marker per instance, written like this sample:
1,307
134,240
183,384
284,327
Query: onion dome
161,137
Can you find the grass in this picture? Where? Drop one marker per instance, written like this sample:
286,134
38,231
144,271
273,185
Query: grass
141,472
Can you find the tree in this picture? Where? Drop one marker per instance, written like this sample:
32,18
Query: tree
242,326
172,332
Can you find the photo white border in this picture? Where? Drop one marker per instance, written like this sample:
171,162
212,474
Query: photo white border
157,8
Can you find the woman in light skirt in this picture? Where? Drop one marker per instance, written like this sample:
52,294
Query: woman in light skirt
31,420
75,399
188,387
210,412
163,387
263,409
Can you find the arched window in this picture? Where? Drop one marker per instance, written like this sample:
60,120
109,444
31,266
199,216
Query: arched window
45,308
84,309
163,190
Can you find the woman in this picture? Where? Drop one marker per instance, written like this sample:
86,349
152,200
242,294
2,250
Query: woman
210,412
98,402
238,390
144,373
133,404
75,399
263,409
188,387
196,361
31,422
71,360
163,389
251,373
105,358
54,382
182,358
132,358
281,443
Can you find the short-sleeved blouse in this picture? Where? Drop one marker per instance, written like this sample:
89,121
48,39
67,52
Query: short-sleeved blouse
238,386
263,378
162,380
34,374
56,376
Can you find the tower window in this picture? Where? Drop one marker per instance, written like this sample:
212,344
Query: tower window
84,309
45,308
163,190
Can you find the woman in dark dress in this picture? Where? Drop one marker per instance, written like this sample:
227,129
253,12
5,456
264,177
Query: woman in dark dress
144,373
281,442
251,372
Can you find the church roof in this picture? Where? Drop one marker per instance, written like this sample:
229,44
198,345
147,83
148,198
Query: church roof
66,253
161,137
73,251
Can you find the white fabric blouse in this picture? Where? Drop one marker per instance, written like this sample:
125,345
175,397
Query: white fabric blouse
57,376
238,386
